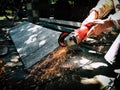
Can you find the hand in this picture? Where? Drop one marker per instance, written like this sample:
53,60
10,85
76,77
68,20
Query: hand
92,16
98,26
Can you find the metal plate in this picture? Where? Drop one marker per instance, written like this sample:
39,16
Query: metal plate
33,42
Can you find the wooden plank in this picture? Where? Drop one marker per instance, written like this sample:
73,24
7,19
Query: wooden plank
33,42
56,27
61,22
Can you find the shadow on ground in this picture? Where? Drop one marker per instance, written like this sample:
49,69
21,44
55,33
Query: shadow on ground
78,68
71,69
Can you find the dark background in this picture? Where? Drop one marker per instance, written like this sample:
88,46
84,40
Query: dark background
75,10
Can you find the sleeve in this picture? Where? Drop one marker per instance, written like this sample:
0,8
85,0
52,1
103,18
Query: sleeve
115,19
103,7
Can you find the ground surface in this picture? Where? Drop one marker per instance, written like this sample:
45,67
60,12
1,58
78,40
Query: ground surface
63,68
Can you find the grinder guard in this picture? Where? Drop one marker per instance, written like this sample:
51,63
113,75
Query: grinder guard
77,36
62,36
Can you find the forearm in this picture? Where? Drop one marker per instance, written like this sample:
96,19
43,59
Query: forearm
115,18
103,7
100,10
92,16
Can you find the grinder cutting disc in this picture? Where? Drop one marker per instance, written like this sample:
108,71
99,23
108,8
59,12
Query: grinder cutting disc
62,36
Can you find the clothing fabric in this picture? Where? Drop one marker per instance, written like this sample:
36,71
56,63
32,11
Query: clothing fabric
103,7
113,53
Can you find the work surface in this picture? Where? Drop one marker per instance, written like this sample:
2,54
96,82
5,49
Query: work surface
38,48
33,42
62,68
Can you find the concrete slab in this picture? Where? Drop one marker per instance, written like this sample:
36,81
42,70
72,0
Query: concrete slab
33,42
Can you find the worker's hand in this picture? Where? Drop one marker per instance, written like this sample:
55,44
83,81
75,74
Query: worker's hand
92,16
98,27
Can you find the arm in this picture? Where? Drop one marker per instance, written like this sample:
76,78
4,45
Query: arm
103,7
115,18
112,22
92,25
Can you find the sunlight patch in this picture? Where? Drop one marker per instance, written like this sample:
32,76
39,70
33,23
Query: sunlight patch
42,43
98,64
84,60
31,39
35,28
10,64
94,65
104,79
21,55
59,27
19,49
